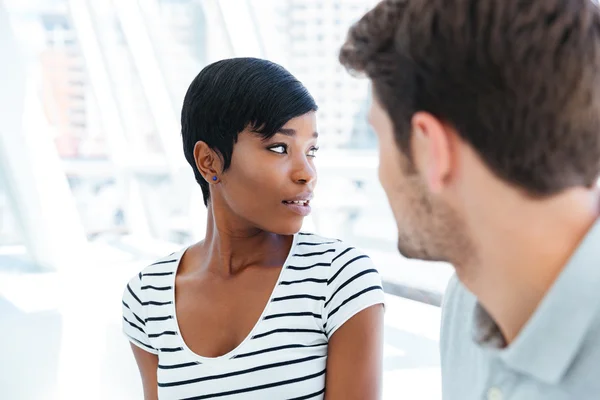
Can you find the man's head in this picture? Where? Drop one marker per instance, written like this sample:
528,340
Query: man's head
474,100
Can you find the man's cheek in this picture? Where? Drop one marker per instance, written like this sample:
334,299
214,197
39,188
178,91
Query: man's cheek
384,171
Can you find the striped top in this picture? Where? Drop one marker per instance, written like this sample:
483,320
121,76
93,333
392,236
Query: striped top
322,284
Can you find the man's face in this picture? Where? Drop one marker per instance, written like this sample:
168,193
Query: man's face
428,229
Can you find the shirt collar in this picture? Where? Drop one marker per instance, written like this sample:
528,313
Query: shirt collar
551,339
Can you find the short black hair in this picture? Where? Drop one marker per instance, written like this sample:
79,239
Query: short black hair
519,80
235,94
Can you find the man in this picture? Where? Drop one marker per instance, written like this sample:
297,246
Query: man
488,118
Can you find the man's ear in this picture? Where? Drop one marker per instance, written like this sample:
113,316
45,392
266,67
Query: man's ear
431,150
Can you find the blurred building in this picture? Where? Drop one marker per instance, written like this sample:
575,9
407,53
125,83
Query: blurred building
316,30
111,78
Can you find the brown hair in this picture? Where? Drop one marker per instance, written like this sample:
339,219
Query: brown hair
519,80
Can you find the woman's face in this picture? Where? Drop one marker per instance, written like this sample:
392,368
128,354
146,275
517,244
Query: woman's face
270,182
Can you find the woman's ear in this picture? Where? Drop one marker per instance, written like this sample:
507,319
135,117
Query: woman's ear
208,162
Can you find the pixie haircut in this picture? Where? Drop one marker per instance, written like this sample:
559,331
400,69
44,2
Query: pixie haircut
519,80
232,95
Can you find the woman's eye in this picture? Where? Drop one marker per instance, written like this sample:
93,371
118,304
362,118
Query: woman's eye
280,149
313,152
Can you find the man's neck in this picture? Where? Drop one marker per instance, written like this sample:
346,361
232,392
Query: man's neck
520,257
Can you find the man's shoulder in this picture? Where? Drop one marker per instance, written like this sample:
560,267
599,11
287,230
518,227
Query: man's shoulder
454,295
457,315
459,355
456,299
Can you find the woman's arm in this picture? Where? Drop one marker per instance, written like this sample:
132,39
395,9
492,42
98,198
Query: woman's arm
134,327
147,364
355,357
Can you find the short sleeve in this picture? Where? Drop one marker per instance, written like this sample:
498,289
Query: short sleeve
134,316
354,285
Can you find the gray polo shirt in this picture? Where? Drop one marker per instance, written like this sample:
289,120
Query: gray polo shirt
555,356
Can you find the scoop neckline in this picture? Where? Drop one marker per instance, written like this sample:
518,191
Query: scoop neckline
231,354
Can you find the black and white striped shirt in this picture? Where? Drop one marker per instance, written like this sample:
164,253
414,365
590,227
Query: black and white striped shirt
323,284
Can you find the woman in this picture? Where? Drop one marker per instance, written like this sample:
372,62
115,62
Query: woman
256,310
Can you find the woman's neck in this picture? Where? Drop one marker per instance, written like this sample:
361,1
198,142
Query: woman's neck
230,246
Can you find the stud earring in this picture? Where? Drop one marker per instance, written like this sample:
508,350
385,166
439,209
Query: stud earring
214,178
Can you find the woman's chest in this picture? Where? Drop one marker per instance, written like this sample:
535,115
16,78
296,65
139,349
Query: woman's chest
215,317
287,366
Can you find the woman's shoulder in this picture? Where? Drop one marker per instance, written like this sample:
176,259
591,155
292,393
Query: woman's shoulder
313,239
159,273
337,252
350,281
